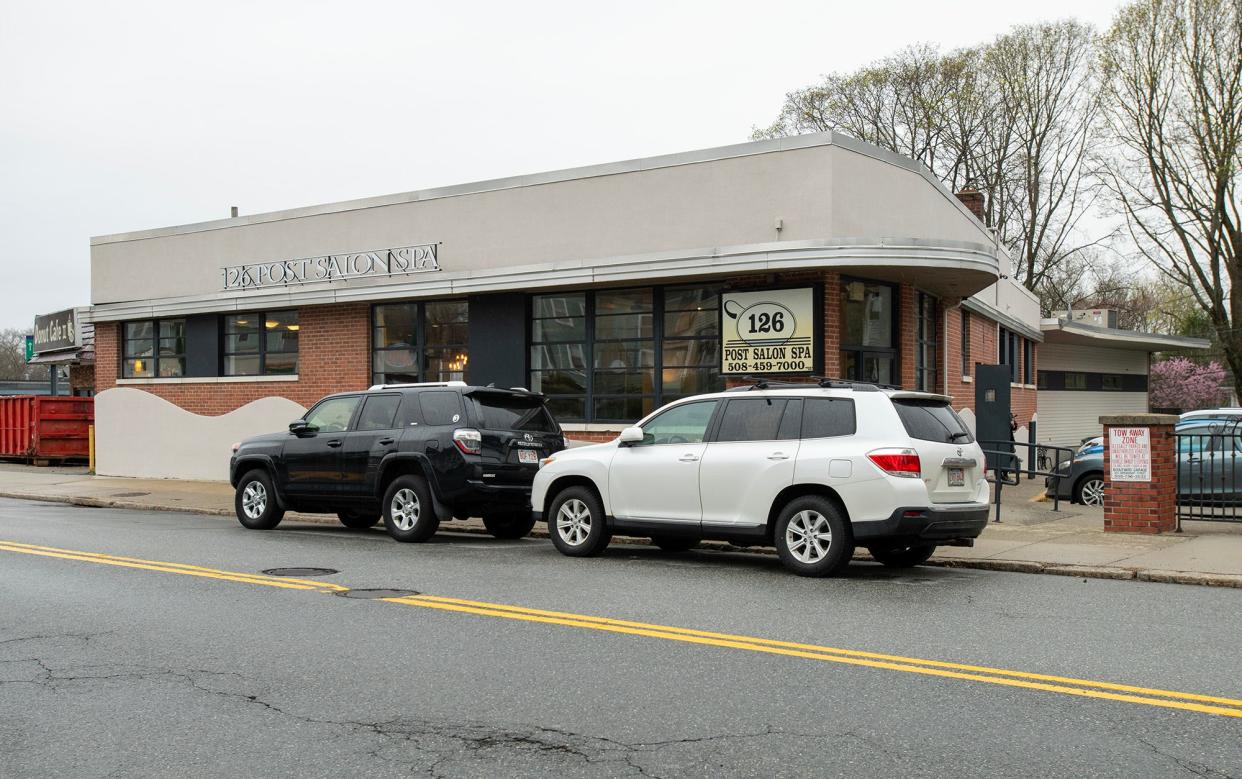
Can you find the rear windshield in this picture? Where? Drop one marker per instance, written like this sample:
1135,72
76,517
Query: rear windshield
932,420
512,412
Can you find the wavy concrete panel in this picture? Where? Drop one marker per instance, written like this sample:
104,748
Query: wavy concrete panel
140,434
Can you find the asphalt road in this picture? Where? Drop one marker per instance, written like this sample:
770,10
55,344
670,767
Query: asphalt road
145,666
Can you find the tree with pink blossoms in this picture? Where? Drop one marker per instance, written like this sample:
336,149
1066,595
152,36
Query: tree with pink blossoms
1181,383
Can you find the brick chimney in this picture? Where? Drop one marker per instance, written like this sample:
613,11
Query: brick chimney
973,199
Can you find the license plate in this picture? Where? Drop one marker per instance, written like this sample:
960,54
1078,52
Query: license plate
528,456
957,477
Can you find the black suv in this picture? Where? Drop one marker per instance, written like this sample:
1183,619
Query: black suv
418,454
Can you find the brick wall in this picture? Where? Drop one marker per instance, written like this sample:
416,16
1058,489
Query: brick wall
334,355
1143,507
82,377
984,348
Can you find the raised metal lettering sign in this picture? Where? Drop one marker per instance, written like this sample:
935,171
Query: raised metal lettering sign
333,267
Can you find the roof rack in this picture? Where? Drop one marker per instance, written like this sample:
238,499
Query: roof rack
419,384
823,382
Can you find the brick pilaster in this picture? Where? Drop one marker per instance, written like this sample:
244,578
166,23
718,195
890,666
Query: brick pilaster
1142,506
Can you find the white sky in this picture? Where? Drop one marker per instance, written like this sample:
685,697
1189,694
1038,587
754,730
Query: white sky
118,116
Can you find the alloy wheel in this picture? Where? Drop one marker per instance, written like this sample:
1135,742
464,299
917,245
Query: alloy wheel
405,509
573,522
254,500
808,536
1093,492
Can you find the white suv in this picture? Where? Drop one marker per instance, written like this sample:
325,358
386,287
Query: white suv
812,469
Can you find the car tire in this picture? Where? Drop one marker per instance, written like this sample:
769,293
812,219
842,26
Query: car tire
409,512
812,538
254,500
514,524
902,556
358,520
675,543
1089,490
576,523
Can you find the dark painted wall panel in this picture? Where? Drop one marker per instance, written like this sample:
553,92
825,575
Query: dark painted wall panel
498,340
202,345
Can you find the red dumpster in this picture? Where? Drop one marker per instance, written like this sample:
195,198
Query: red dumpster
34,426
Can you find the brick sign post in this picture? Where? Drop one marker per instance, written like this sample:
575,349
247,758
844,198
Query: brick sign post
1140,473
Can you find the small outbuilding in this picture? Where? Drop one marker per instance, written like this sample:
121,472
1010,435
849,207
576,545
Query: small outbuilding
1087,370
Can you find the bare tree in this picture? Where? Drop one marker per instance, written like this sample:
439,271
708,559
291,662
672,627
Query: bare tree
1014,119
1173,83
13,365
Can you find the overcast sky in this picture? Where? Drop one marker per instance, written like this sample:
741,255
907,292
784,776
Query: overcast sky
117,116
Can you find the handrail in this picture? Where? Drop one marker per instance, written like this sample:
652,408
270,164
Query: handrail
1014,467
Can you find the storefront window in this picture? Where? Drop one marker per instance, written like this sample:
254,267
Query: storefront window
153,349
925,344
868,322
438,332
644,347
262,343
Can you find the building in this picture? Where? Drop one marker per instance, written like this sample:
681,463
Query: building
1088,368
64,341
612,289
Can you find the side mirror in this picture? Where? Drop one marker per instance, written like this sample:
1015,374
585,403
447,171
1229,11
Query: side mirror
631,435
301,428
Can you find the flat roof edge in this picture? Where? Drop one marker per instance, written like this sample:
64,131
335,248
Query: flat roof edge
1132,337
731,151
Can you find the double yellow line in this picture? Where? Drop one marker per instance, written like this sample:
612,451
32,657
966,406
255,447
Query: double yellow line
1064,685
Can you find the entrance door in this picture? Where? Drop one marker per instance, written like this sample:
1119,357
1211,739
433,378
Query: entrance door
658,479
992,412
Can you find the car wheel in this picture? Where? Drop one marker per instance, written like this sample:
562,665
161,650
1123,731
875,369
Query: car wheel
576,523
902,556
514,524
675,543
358,520
255,501
812,538
409,514
1089,491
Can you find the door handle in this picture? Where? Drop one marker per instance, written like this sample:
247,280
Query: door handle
778,456
386,441
335,443
689,458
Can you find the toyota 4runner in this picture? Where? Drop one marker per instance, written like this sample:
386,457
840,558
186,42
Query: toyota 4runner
415,454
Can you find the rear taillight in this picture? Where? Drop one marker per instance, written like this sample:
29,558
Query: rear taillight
468,441
897,462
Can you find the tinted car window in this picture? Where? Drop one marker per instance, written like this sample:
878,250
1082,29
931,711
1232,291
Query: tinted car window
751,419
440,407
827,417
791,423
378,412
498,411
685,424
932,420
332,415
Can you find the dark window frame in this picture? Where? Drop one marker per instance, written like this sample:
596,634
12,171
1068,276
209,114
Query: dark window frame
262,352
126,356
860,351
925,342
589,342
966,364
420,345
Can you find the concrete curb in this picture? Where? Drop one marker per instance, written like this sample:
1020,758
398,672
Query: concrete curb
1008,566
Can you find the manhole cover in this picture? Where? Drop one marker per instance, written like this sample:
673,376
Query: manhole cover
376,594
129,494
300,571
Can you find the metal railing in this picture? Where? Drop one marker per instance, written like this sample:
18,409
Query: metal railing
1008,469
1209,485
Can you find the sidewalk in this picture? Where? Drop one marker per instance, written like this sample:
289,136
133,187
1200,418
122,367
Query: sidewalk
1031,538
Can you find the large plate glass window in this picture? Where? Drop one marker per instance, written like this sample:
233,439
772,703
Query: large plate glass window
615,355
413,342
868,327
925,344
261,343
151,349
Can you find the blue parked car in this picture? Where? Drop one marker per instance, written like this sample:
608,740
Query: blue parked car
1209,463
